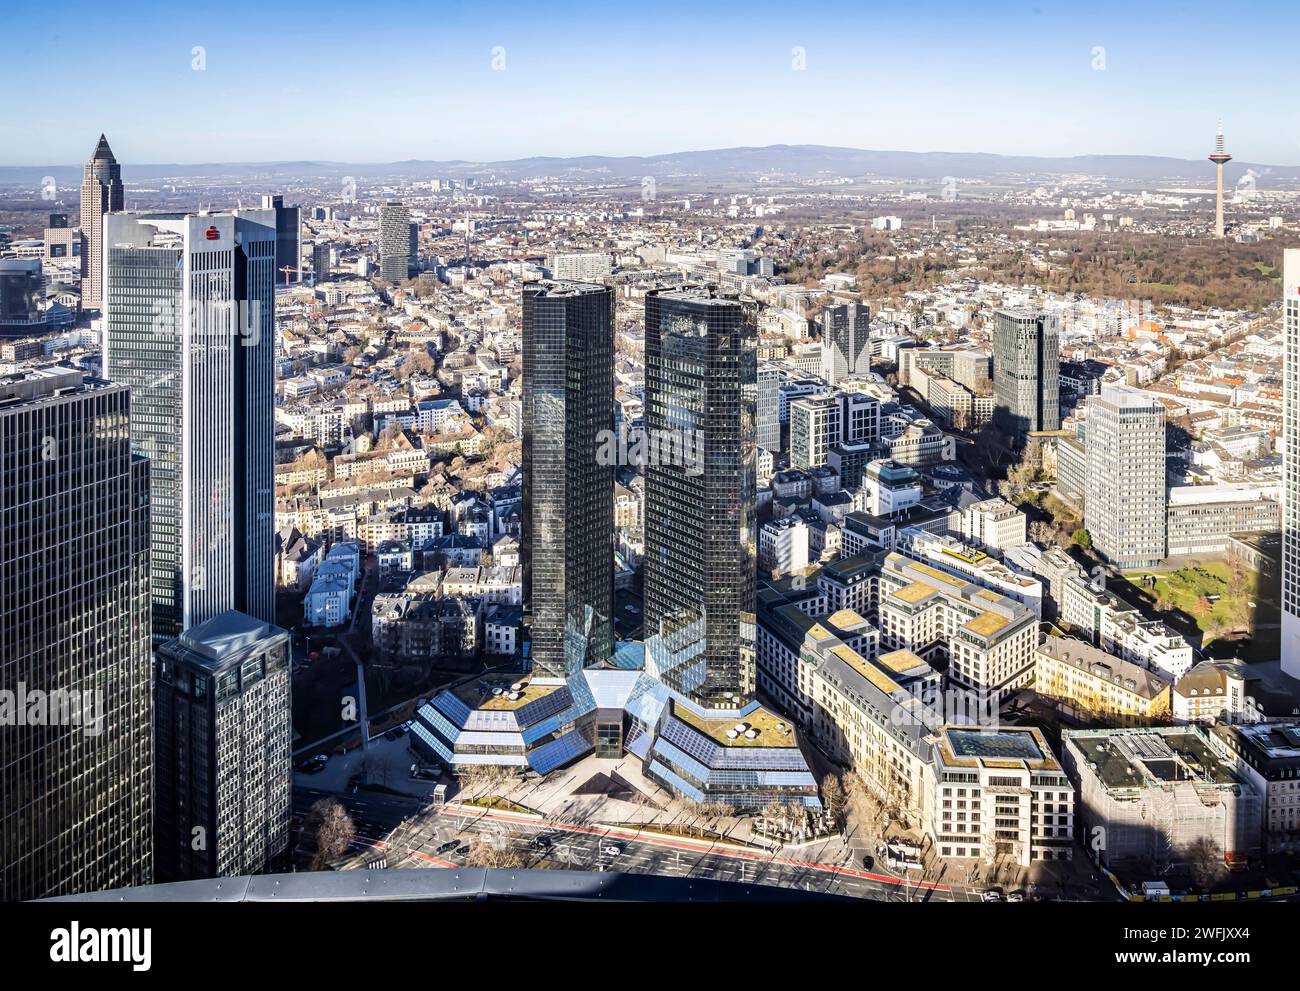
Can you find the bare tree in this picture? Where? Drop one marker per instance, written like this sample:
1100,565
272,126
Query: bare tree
1206,862
834,798
331,826
493,850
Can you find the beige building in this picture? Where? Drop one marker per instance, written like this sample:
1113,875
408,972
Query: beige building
1099,684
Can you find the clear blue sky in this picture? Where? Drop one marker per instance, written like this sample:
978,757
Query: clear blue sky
394,80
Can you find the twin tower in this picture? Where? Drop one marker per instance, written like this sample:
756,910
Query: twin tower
700,561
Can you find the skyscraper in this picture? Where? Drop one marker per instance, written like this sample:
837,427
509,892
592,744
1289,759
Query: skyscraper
1291,462
76,748
700,557
845,348
288,239
1026,373
769,408
1125,493
101,193
394,242
224,768
568,516
189,325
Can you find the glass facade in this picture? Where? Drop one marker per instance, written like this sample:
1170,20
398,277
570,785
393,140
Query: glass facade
76,764
568,509
1026,372
190,326
700,557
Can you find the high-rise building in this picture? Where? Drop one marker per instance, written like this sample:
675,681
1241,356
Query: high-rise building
288,239
700,541
189,326
587,266
320,260
77,756
20,295
223,724
101,193
769,408
815,424
1026,372
568,514
1291,462
845,347
1125,496
394,242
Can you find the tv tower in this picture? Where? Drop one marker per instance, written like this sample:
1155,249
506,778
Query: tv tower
1219,158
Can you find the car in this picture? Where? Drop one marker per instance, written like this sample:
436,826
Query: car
448,846
313,765
868,861
1015,896
394,734
612,851
463,849
990,895
423,773
542,841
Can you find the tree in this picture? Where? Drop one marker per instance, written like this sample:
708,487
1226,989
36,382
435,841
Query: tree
1205,860
493,850
834,797
1083,538
331,826
1042,533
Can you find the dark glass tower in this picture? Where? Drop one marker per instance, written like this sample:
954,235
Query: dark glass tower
701,383
568,521
189,318
76,751
1026,373
846,329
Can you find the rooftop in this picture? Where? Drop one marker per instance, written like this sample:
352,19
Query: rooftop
770,729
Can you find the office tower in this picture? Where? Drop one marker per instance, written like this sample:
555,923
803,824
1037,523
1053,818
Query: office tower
20,295
1124,500
223,722
1291,462
1220,158
288,239
1026,373
568,514
394,242
700,552
845,351
320,260
101,193
769,408
189,326
815,424
585,266
75,765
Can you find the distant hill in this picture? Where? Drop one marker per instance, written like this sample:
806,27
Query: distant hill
724,163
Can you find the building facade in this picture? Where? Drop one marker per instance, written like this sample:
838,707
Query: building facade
568,500
1026,373
1125,494
101,193
75,768
700,541
223,721
189,318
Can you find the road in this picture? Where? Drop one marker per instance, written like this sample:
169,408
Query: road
584,847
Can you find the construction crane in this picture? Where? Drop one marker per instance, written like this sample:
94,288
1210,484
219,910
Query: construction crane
289,268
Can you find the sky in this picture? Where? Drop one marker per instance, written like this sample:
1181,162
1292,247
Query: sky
391,80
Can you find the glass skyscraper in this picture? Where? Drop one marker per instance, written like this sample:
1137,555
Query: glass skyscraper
189,326
1026,373
846,329
76,749
568,516
394,242
1291,462
700,559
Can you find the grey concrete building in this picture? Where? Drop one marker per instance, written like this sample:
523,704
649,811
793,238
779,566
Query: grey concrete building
1125,494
